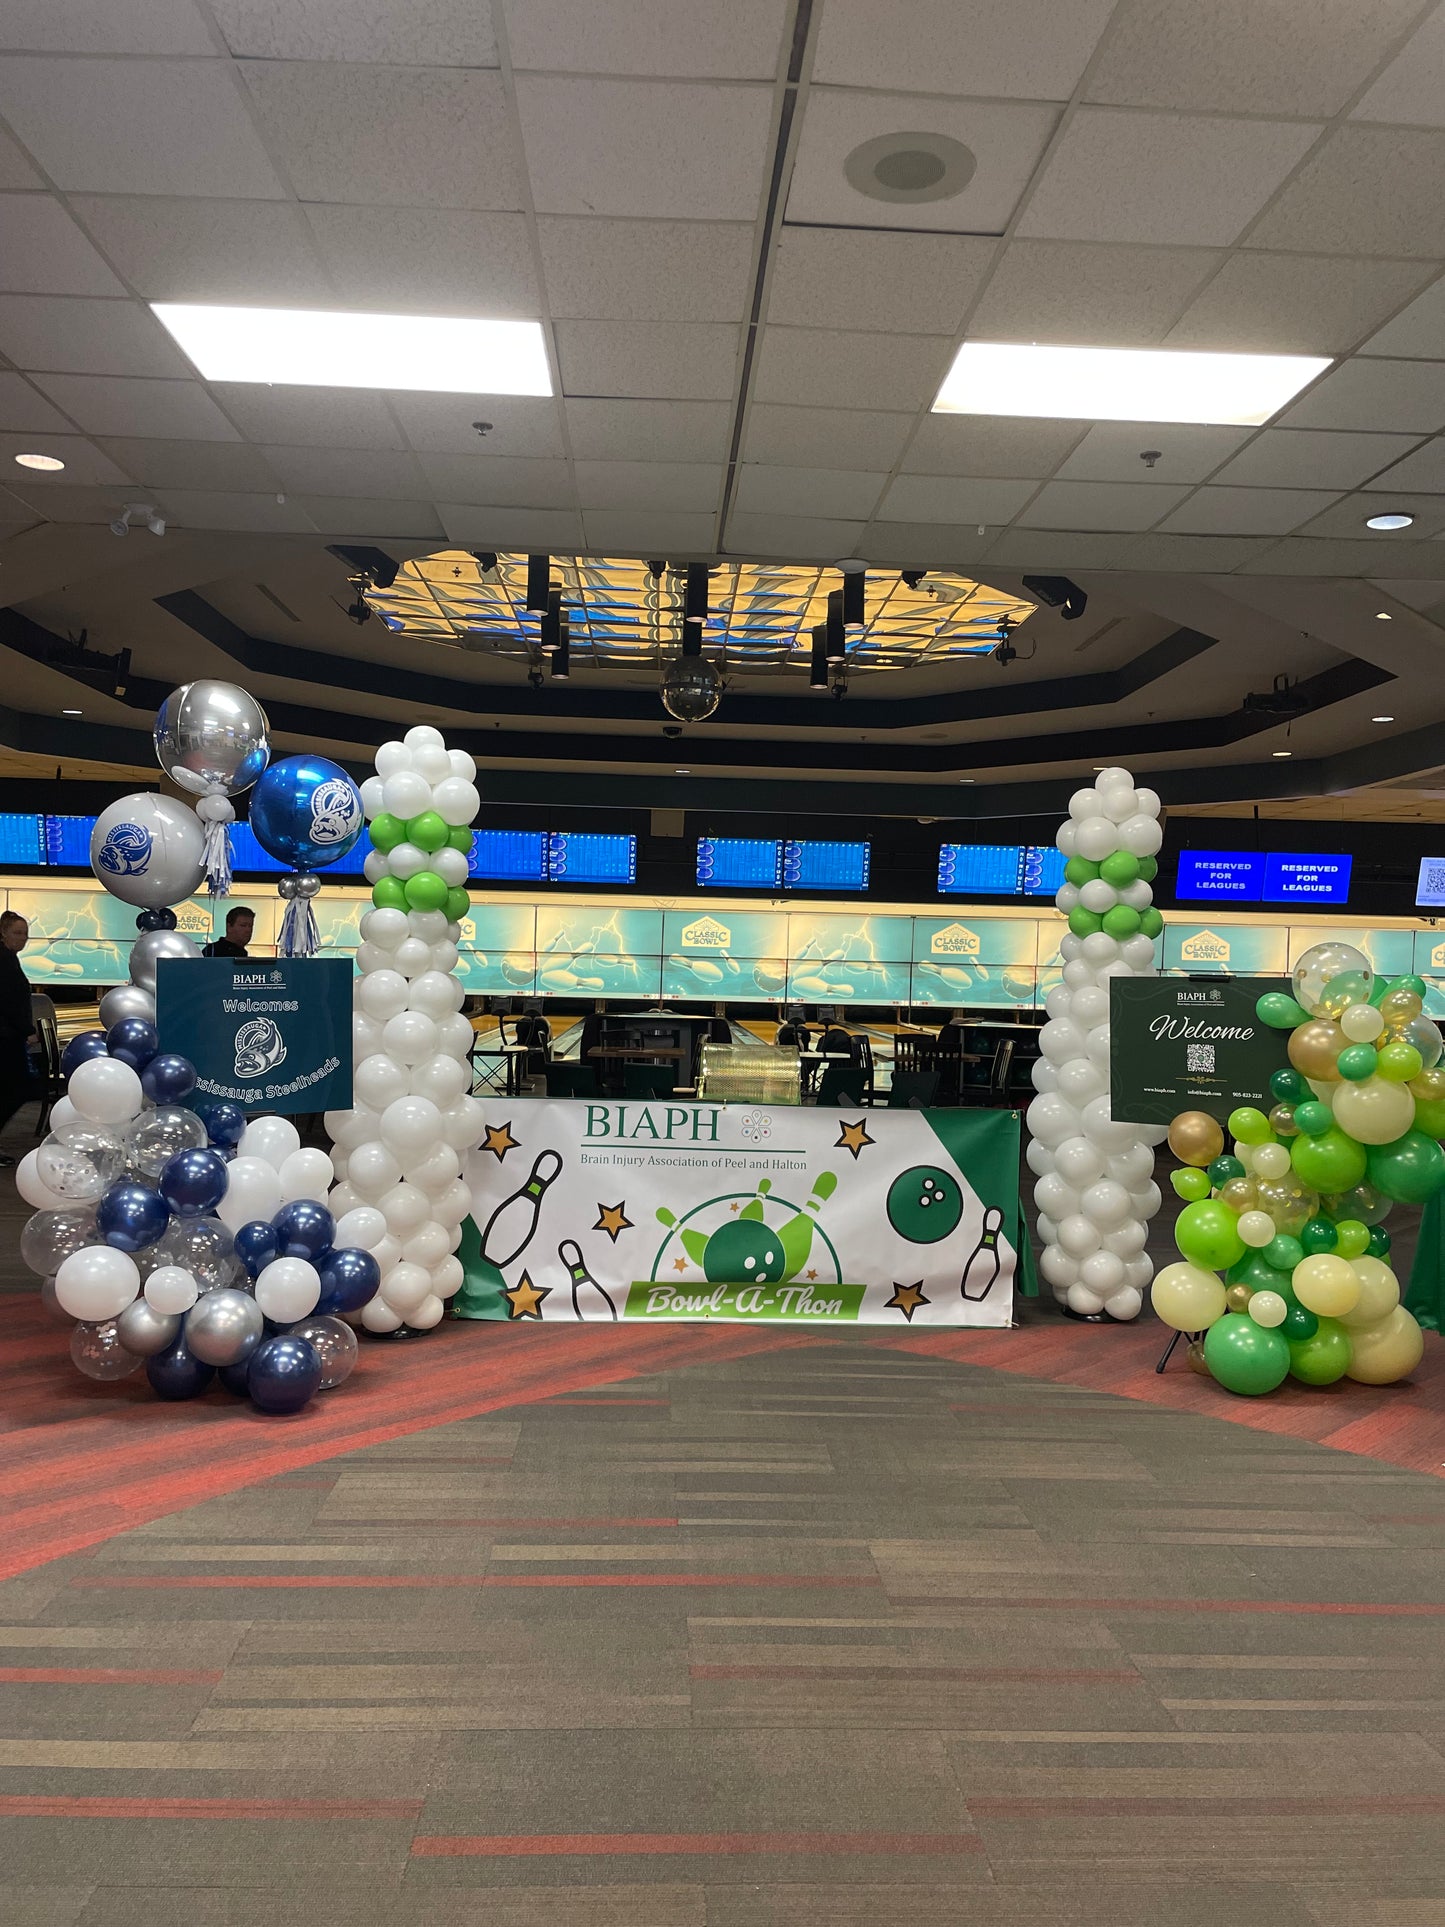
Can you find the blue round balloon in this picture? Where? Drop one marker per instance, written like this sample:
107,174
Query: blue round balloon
234,1377
350,1278
131,1216
306,811
256,1245
84,1045
193,1182
224,1121
284,1373
149,920
178,1373
168,1079
133,1041
304,1229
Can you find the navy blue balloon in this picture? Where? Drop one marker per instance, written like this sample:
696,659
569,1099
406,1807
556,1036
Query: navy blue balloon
85,1045
304,1229
350,1278
168,1079
306,811
233,1377
149,920
193,1182
224,1121
133,1041
284,1372
256,1245
177,1373
131,1216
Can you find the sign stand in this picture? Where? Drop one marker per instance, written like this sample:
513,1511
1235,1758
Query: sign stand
1173,1341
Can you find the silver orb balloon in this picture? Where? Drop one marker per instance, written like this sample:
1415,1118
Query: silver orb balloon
147,951
335,1344
201,1246
96,1351
145,1331
156,1136
49,1237
211,738
148,850
308,884
223,1327
288,888
126,1000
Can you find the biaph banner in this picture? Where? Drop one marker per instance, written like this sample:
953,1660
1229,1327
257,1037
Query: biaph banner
274,1035
660,1211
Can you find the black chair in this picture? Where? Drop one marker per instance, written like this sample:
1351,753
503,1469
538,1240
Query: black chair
948,1058
912,1090
49,1084
792,1037
914,1051
995,1093
571,1080
536,1033
648,1080
840,1084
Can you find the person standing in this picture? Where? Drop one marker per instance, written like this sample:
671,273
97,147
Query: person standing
240,922
16,1024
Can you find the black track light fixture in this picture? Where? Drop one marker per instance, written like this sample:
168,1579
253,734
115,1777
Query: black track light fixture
552,620
1059,593
818,667
854,620
539,584
910,578
486,560
837,635
562,654
694,606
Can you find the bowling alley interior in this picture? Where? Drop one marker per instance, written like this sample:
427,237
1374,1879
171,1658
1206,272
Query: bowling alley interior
722,982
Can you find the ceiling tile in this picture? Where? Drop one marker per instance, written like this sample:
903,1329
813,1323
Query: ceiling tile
1111,452
1304,555
1318,458
520,482
694,38
74,335
692,488
923,545
66,503
1085,294
173,249
443,424
1006,138
1089,506
858,438
672,152
1019,49
234,466
1375,394
323,417
842,493
511,528
1345,521
941,498
390,137
1424,469
1019,548
1165,178
1191,554
344,517
852,278
118,27
1369,190
646,270
1295,303
85,464
222,509
120,405
42,251
990,445
404,33
611,530
1246,511
1412,87
1418,330
662,359
799,538
137,126
648,431
15,171
429,260
22,407
1237,57
819,368
346,471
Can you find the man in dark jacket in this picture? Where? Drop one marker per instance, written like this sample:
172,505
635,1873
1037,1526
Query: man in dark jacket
16,1026
240,922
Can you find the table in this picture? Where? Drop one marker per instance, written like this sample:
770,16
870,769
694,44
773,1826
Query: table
506,1076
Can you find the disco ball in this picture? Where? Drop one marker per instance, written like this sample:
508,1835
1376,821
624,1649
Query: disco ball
691,690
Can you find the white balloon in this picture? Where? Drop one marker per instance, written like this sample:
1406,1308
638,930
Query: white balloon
1140,836
288,1289
378,1316
1052,1119
409,1037
1097,838
1066,840
1132,1166
306,1174
454,1203
1078,1236
444,956
371,798
1138,952
1059,1002
382,994
105,1091
33,1188
370,956
462,1124
413,956
406,859
340,1199
375,867
1078,972
387,929
365,1035
432,762
443,1079
1105,1204
1126,1303
1083,804
96,1282
447,1277
253,1190
429,1312
1048,1231
455,1036
361,1228
271,1138
428,1244
1098,896
1085,1302
1096,1047
456,801
1060,1039
462,765
451,866
1091,1006
372,1171
169,1290
1080,1161
1102,1271
1098,1124
350,1128
405,1286
1136,895
411,1126
435,994
405,1207
1100,948
391,757
1058,1268
1039,1158
1146,1200
1053,1196
429,925
1066,897
1120,804
1080,1079
1147,802
1044,1076
423,736
387,1252
406,794
1128,1239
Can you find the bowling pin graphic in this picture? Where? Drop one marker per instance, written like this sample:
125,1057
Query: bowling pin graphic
586,1292
981,1267
796,1235
509,1230
694,1243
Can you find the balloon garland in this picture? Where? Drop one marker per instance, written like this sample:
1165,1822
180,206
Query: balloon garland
1283,1268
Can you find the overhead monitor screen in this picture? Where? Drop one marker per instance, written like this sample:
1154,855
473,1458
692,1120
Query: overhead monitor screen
1221,875
575,858
824,866
20,844
510,856
1291,878
999,870
739,863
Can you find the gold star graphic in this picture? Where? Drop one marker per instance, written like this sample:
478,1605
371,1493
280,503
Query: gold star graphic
907,1299
810,1275
499,1140
613,1219
524,1299
853,1138
679,1264
734,1206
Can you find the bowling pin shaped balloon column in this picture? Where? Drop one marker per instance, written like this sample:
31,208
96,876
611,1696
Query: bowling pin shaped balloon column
399,1151
1095,1190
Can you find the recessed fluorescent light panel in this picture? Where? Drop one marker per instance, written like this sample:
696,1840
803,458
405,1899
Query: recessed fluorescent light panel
1121,384
317,348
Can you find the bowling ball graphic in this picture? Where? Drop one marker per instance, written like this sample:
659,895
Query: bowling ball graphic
1019,984
770,974
519,966
744,1252
925,1204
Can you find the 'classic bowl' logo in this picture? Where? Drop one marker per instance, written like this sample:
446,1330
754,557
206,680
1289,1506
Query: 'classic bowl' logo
1204,947
259,1048
954,940
707,934
126,851
1437,957
334,810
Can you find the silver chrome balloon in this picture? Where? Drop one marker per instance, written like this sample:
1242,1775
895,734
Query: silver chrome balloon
211,738
144,1331
335,1344
224,1327
287,888
126,1000
147,951
307,884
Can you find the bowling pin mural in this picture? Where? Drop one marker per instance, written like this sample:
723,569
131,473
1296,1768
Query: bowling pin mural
511,1227
589,1300
981,1266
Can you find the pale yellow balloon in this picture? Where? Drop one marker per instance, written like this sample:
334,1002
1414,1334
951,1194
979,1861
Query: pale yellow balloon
1290,1203
1374,1111
1430,1084
1272,1160
1188,1297
1386,1351
1362,1023
1400,1007
1256,1228
1379,1293
1314,1049
1237,1297
1326,1285
1267,1308
1239,1194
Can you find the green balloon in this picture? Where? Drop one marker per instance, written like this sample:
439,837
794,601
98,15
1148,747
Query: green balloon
1410,1170
1380,1241
1150,921
1318,1236
1148,868
1298,1323
1313,1117
1430,1116
1289,1087
1358,1061
1245,1357
1323,1358
1121,921
1079,870
1283,1252
1280,1011
1223,1168
1120,869
1399,1061
1417,984
1361,1201
387,831
461,840
425,891
1333,1161
1207,1234
1190,1183
458,905
429,831
1083,923
1352,1238
389,894
1249,1125
1255,1270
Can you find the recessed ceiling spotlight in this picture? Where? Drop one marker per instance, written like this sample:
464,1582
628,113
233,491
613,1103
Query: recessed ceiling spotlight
72,712
1383,615
1382,719
1394,520
1283,752
682,772
967,779
1122,384
910,168
48,463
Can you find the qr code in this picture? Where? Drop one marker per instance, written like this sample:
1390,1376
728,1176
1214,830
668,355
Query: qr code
1431,889
1199,1057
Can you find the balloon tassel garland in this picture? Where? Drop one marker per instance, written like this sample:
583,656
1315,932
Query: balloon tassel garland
217,813
299,936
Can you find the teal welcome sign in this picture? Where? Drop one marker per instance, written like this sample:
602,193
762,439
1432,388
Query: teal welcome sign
271,1034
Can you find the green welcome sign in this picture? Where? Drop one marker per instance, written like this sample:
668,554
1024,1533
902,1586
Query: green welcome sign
1190,1044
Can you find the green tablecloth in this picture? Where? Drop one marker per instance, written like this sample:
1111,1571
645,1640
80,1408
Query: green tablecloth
1426,1294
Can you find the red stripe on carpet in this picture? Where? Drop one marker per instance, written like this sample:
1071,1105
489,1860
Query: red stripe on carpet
104,1676
1020,1674
1014,1602
607,1401
1206,1806
389,1582
513,1845
101,1806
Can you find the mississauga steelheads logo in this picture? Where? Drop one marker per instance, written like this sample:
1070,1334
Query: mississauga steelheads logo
126,851
335,807
259,1048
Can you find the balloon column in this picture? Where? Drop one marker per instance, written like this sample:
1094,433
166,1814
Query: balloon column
1095,1191
211,739
1292,1213
306,811
398,1152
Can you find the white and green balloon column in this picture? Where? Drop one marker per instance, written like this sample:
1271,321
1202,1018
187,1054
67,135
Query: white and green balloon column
399,1150
1095,1188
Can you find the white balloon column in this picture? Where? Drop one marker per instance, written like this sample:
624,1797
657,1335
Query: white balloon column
1095,1190
402,1195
